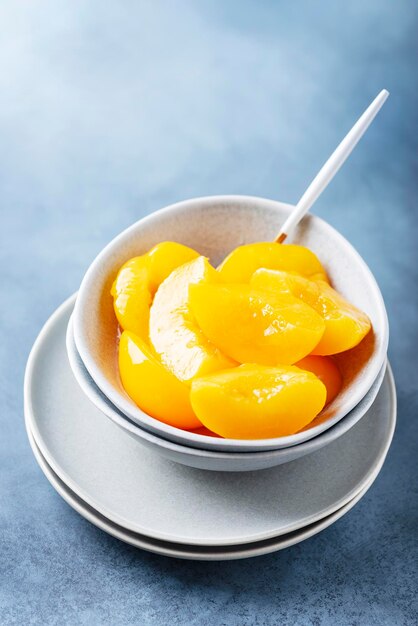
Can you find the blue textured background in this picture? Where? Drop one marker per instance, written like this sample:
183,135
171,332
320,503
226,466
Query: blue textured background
109,111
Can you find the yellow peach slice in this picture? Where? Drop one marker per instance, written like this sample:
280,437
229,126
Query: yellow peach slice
242,262
138,280
345,324
164,258
152,387
131,295
174,333
325,368
256,401
256,326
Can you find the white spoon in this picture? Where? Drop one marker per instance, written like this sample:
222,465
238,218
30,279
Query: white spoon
331,167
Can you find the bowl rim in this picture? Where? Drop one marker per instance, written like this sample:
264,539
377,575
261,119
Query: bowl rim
125,405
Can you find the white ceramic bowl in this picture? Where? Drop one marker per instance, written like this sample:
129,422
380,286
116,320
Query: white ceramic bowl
214,226
213,459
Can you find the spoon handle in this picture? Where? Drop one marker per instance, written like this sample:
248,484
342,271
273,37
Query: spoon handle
331,167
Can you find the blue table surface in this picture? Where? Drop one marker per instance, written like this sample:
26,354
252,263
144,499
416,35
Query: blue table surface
109,111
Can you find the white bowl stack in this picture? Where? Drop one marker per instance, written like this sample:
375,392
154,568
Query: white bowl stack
214,226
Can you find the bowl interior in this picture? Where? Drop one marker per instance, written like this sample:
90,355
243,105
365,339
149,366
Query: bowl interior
214,226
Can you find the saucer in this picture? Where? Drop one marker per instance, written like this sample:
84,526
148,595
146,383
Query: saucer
185,551
147,494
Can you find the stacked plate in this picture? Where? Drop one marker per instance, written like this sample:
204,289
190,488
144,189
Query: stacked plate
119,472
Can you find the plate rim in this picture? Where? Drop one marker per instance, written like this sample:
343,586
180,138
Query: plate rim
189,551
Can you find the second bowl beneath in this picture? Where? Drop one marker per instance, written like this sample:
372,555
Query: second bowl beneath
215,460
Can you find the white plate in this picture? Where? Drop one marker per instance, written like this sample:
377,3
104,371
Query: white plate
185,551
147,494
